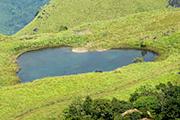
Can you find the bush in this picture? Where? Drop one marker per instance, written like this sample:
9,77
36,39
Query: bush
75,111
159,103
62,28
148,105
101,109
120,106
169,96
142,91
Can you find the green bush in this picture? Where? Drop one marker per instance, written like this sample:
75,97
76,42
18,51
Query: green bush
120,106
133,116
169,96
62,28
142,91
159,103
148,105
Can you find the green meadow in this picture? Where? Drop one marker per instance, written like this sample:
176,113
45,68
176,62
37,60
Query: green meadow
91,25
71,13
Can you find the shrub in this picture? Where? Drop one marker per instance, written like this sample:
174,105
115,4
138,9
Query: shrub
120,106
169,96
159,103
148,105
102,109
62,28
142,91
74,111
142,44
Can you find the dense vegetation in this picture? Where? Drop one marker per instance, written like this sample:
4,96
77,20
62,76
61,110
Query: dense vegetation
141,24
161,103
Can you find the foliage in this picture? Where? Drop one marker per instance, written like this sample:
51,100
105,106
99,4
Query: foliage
142,91
99,109
169,98
148,105
162,105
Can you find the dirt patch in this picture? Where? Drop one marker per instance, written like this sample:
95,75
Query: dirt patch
84,50
83,32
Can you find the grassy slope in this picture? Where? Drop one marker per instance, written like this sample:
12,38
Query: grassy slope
74,12
46,99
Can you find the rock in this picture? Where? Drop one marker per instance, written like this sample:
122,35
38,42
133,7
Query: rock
99,71
35,30
154,37
130,112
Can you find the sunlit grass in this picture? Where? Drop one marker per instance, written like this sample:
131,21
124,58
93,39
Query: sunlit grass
70,13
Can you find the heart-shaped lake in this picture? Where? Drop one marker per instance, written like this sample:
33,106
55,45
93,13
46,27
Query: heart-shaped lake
62,61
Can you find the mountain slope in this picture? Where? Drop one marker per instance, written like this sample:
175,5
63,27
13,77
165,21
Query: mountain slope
46,98
60,14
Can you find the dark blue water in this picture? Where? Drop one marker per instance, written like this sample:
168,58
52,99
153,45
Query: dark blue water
62,61
15,14
174,3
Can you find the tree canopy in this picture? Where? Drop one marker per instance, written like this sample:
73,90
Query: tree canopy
161,102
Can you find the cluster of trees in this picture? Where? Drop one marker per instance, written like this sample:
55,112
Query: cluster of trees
160,103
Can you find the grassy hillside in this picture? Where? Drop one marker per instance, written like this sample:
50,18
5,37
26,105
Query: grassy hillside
45,99
69,13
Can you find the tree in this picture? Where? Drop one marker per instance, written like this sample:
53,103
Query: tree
142,91
148,105
102,109
161,102
120,106
169,96
87,105
74,111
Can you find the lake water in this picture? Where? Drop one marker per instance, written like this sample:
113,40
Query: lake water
62,61
15,14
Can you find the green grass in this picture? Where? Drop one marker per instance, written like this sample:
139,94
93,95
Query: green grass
71,13
45,99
